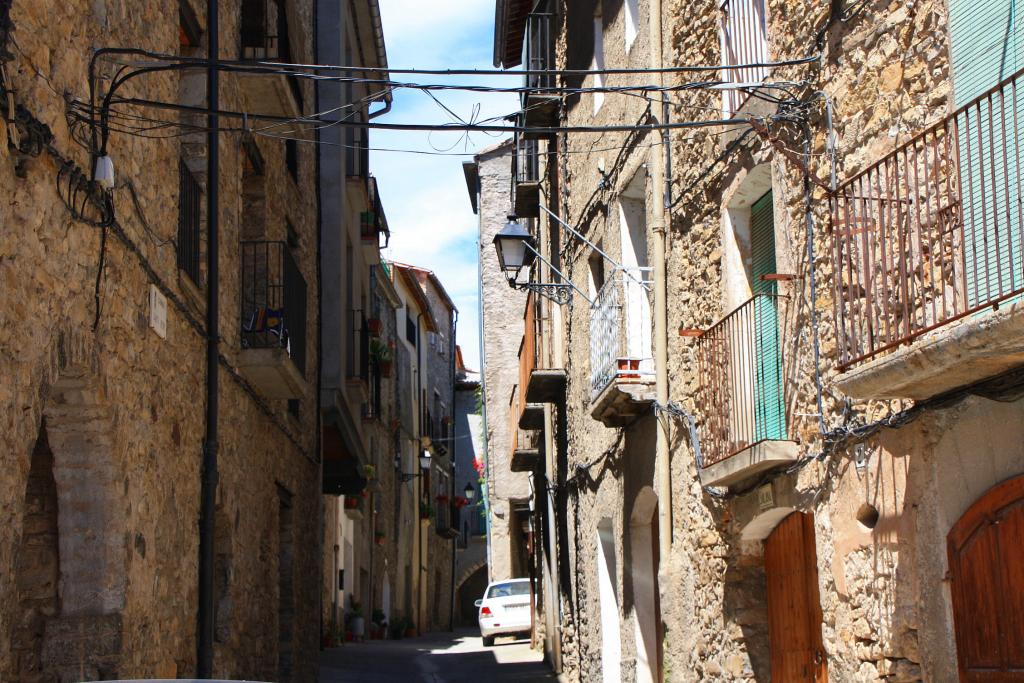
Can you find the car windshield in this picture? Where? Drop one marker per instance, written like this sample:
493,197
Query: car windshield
505,590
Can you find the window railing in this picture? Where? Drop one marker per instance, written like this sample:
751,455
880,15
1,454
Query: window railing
373,222
526,162
539,50
933,231
742,390
620,334
263,36
273,300
744,41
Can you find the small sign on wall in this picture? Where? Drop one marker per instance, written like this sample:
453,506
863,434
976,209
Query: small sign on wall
765,498
158,311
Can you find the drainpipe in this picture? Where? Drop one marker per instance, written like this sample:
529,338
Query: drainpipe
208,484
455,469
659,226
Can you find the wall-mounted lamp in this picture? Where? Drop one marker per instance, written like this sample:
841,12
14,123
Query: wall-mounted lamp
469,492
424,467
516,249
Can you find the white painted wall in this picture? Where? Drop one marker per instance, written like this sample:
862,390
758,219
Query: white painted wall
611,647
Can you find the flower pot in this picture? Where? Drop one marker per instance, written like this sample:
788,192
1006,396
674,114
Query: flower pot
358,626
629,368
374,326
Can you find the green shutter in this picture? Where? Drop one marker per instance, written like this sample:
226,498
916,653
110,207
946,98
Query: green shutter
987,47
769,416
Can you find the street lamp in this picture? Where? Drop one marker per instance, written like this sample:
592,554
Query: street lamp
511,245
424,467
469,492
517,249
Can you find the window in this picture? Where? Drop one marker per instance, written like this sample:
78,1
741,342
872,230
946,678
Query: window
598,63
744,31
410,327
595,273
189,34
632,8
189,222
291,158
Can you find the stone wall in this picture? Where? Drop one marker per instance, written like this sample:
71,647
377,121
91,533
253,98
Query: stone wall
123,407
501,309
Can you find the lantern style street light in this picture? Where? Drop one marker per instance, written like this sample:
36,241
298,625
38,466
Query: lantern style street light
469,492
424,467
516,249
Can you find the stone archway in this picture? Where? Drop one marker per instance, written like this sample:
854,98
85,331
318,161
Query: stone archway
83,640
643,573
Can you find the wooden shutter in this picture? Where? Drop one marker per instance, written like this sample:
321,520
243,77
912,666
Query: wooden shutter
986,566
794,607
769,418
987,47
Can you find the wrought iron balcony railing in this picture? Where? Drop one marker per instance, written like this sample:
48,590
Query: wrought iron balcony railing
744,41
742,390
539,50
620,330
933,231
273,300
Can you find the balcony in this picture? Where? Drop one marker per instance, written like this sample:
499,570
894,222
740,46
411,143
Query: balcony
744,40
542,385
742,395
526,172
373,223
273,320
621,362
927,243
525,453
354,507
540,103
264,37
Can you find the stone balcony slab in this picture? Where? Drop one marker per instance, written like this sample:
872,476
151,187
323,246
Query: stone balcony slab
969,350
272,372
525,460
622,401
749,462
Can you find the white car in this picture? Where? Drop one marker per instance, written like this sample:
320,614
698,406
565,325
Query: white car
504,610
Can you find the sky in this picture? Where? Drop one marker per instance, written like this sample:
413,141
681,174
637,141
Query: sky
425,197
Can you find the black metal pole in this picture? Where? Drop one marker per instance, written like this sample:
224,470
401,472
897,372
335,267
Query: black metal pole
204,664
455,474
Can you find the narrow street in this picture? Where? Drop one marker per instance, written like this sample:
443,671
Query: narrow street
457,657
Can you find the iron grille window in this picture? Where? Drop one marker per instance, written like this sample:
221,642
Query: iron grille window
189,215
744,35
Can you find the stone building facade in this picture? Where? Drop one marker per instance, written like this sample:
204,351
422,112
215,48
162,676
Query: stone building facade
104,343
488,179
840,365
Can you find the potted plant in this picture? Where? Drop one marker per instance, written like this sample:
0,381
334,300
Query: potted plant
381,355
397,627
356,623
380,625
374,326
426,511
369,471
379,537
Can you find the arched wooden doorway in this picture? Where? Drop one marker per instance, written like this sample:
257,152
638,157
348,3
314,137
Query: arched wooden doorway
986,567
794,604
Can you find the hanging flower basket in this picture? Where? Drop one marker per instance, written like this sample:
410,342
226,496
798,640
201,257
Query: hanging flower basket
461,502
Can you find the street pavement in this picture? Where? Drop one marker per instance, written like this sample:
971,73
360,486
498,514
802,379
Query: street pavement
457,657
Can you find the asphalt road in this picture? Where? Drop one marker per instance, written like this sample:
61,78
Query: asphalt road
458,657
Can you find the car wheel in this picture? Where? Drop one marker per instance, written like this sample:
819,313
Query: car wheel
488,641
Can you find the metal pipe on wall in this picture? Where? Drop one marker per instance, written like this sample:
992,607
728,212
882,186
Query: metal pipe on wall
208,485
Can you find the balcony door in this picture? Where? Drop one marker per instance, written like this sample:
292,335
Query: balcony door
987,47
633,233
769,415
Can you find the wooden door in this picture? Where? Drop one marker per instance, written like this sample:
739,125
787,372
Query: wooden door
986,567
794,607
